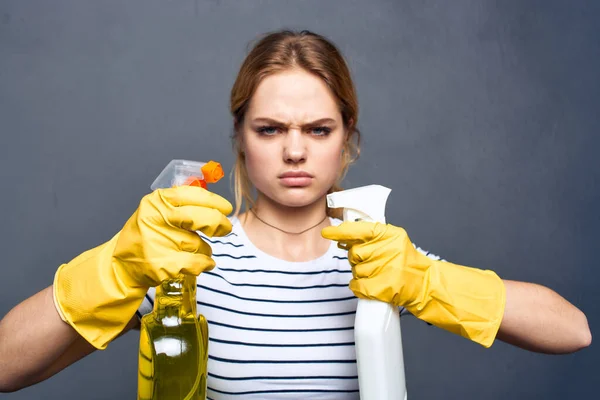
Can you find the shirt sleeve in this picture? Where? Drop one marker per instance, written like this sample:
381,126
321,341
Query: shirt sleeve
428,253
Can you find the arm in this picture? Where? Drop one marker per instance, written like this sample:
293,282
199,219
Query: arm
538,319
35,343
98,292
470,302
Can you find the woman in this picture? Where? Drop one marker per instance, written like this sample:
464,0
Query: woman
273,280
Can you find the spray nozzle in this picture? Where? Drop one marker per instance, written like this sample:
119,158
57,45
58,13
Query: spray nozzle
361,203
186,172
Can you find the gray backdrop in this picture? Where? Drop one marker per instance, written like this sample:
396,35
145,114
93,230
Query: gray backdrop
480,115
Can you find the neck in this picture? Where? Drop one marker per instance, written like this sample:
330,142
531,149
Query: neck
292,233
289,220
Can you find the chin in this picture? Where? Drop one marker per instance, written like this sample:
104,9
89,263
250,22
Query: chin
298,197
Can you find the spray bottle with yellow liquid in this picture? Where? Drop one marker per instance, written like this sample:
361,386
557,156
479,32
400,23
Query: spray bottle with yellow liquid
173,352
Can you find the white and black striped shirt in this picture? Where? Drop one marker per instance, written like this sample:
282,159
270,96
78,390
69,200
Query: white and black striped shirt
278,329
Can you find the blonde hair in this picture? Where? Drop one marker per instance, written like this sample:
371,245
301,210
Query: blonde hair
279,51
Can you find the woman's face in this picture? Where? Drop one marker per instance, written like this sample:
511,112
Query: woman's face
293,136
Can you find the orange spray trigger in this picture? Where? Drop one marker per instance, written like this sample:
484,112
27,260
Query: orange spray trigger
196,181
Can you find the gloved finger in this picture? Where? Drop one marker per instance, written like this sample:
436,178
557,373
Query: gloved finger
377,288
358,253
356,285
351,233
209,221
192,243
186,263
373,257
367,269
201,263
194,196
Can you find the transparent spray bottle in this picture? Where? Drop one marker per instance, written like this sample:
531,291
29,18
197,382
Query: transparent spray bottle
173,352
377,335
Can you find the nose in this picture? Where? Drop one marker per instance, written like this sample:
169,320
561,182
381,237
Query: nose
294,147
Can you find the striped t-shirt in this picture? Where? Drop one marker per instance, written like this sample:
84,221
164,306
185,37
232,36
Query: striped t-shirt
277,329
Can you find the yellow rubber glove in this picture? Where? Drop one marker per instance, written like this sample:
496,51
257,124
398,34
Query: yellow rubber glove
387,267
98,292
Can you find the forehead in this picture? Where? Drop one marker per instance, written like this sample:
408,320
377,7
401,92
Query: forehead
293,95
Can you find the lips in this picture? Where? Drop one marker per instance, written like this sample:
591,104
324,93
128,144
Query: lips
295,178
295,174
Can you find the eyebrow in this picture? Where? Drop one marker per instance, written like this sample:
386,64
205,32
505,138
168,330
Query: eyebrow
279,123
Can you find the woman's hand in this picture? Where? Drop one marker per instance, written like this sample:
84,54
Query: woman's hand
159,241
98,292
387,267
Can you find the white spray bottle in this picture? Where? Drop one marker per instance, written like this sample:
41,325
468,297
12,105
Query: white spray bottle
377,336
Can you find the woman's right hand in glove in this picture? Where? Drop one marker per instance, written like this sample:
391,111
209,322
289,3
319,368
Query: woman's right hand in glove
98,292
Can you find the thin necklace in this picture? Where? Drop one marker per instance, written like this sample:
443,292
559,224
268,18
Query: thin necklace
284,231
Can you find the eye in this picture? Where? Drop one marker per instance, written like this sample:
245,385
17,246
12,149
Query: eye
320,130
268,130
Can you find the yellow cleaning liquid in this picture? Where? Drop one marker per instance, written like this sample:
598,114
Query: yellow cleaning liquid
173,345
